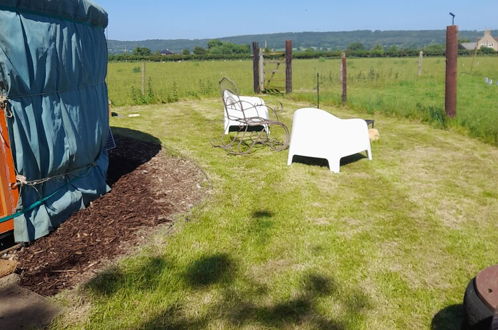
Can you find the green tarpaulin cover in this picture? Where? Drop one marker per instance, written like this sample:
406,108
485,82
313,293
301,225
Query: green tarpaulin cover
53,64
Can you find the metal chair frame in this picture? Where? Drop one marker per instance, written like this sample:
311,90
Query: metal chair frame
252,127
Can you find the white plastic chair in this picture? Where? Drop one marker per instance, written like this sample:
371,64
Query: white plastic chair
317,133
241,109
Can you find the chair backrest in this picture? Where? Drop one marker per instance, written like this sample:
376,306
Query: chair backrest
231,100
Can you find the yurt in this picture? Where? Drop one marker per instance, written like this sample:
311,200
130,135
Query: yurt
54,120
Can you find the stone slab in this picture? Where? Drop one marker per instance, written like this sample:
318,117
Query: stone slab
23,309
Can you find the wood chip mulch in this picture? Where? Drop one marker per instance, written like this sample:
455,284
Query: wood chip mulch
148,187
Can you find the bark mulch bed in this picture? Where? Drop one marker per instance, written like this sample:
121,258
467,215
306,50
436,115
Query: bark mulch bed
148,187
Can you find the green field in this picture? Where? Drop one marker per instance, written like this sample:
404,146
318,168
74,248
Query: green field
386,85
385,244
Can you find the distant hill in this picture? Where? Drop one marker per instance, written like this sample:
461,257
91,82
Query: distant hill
326,40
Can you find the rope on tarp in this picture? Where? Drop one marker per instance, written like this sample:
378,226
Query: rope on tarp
44,199
21,180
4,105
30,208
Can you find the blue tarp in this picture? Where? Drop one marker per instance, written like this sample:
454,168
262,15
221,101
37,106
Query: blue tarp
53,64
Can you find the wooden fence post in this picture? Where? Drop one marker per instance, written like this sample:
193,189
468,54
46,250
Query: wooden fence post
344,78
256,52
143,78
288,66
420,59
261,70
451,70
474,57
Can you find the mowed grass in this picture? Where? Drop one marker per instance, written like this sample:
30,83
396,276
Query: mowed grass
385,244
386,85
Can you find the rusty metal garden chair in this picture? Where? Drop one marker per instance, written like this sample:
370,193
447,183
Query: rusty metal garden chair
248,122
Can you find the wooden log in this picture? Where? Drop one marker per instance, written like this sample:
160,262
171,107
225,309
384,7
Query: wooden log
344,78
256,52
451,70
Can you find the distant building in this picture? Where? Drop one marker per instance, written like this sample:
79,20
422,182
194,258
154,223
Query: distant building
165,52
486,41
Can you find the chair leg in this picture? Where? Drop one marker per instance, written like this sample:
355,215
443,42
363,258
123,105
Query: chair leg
289,159
334,165
369,153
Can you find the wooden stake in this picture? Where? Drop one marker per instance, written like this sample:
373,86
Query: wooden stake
288,66
143,78
451,70
261,70
420,59
256,52
474,57
344,78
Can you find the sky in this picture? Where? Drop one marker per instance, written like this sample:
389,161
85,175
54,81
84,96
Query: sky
196,19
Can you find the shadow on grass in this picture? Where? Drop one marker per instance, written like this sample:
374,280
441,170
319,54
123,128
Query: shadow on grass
262,214
352,158
133,148
322,162
261,227
145,273
136,135
243,302
208,270
449,318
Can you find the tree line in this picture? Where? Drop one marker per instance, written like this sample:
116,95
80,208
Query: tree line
217,50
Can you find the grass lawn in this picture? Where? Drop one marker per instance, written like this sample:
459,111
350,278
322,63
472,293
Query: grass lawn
386,85
388,243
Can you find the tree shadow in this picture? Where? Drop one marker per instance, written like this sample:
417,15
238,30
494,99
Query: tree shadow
262,214
144,272
293,312
208,270
449,318
241,305
174,318
261,227
133,148
240,301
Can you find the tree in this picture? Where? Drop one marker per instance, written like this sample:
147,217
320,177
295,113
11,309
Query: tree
356,46
186,52
487,50
200,51
434,48
216,47
377,50
214,43
142,51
